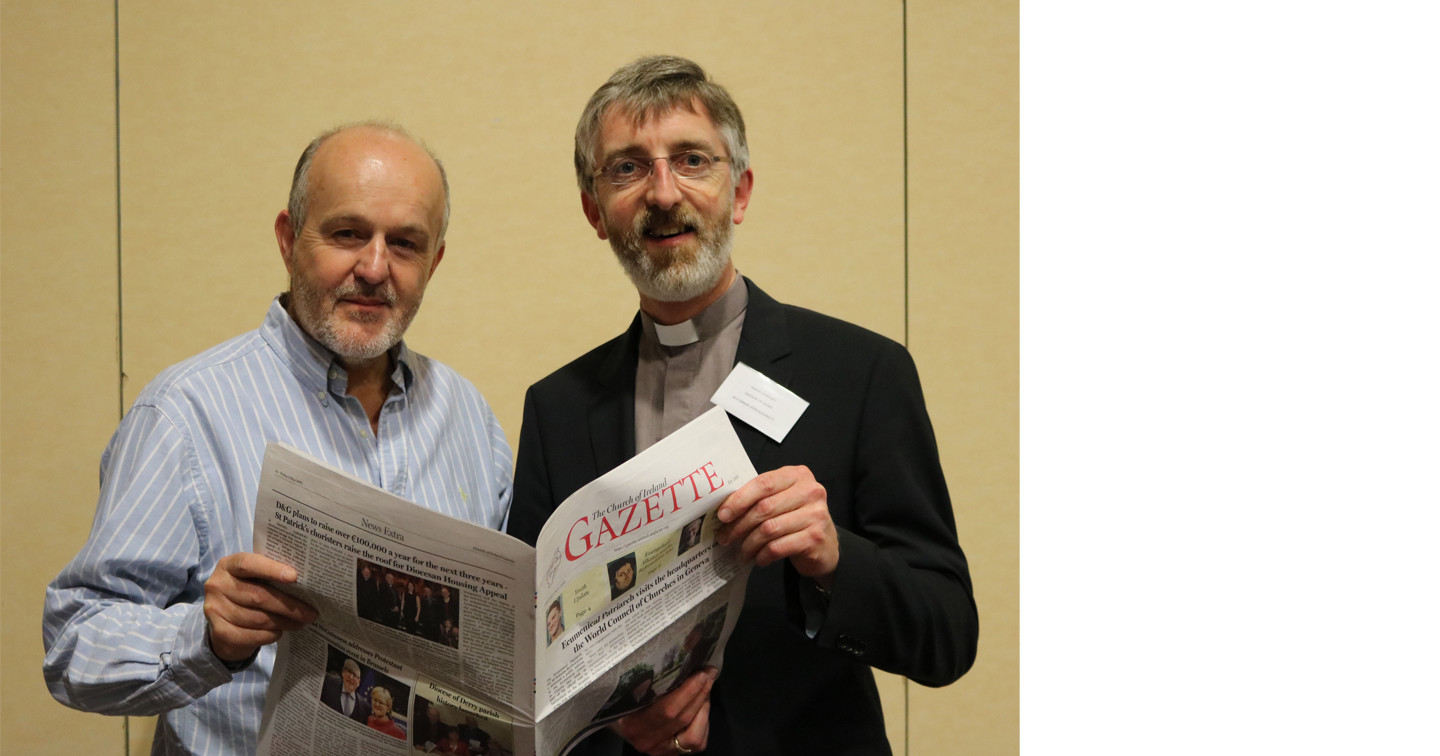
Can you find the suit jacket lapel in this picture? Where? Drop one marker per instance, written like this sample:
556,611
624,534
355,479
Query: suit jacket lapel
612,413
764,345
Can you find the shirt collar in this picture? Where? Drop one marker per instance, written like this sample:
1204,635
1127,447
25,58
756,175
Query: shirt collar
704,326
317,368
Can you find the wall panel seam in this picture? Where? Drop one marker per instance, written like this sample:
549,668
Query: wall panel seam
119,287
119,248
905,152
905,211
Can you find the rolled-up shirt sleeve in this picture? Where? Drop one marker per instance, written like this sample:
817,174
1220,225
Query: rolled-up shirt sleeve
124,631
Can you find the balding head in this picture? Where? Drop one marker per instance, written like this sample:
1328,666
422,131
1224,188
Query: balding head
299,204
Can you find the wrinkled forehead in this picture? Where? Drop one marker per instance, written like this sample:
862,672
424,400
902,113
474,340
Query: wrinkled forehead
640,114
627,123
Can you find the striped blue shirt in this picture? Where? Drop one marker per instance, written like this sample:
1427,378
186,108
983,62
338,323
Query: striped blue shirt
124,630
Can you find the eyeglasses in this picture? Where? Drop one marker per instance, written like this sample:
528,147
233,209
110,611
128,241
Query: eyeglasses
624,171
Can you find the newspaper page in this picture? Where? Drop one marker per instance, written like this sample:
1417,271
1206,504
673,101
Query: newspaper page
333,697
410,600
636,594
428,639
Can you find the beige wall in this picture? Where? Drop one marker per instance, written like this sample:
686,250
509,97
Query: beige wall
59,365
215,101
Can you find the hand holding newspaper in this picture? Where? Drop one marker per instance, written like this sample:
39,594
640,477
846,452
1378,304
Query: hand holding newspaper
437,635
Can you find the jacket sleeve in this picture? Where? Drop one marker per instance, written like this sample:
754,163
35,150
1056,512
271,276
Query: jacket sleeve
902,599
123,627
533,501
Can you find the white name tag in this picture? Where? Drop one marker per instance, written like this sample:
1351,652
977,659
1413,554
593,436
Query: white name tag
764,404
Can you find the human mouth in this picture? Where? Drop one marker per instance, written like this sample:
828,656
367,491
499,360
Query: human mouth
367,301
670,225
668,231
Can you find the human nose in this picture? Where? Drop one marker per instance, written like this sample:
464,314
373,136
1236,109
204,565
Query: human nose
373,264
663,188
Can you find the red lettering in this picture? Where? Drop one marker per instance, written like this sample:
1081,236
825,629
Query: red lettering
570,539
693,485
712,477
630,515
652,506
605,527
674,499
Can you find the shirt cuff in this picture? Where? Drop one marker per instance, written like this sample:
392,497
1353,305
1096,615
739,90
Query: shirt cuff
192,666
231,666
815,603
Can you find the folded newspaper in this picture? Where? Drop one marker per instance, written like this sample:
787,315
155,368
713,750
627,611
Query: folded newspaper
440,636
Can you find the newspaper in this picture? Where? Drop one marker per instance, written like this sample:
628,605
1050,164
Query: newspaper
439,636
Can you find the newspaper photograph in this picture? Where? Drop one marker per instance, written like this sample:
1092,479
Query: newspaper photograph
330,696
439,636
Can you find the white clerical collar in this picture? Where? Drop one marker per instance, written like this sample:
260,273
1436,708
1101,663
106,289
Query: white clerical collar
677,335
706,324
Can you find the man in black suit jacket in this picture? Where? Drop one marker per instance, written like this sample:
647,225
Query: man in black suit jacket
850,526
337,689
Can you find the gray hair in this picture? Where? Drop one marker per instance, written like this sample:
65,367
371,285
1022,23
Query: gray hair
650,87
299,203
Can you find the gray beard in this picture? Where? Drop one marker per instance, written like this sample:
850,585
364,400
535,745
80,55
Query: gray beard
672,278
308,307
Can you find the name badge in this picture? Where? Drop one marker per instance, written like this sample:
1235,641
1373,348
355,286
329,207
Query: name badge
762,403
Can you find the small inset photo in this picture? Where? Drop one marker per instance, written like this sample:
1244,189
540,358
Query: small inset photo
622,575
554,621
363,695
690,534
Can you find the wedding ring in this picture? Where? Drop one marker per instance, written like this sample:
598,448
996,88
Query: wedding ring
679,748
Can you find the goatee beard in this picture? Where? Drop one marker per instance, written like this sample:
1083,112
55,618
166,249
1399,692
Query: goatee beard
316,312
679,274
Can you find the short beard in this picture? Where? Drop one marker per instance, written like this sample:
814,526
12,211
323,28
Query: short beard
315,310
676,276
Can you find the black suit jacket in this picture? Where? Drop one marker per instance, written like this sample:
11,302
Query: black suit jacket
902,599
330,696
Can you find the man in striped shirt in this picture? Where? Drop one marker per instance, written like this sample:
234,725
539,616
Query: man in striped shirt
165,610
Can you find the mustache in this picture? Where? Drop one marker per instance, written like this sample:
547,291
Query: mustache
654,217
383,291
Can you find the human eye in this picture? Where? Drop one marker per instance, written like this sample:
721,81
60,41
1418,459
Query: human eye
626,169
691,163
